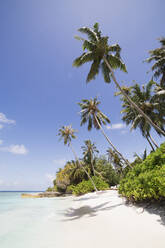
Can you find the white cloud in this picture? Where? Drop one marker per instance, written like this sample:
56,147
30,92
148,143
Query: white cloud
116,126
59,162
3,119
15,149
1,141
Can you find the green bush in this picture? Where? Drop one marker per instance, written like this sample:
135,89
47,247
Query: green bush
86,186
146,181
70,189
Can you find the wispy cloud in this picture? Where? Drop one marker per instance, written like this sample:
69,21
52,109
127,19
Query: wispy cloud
1,142
3,119
116,126
15,149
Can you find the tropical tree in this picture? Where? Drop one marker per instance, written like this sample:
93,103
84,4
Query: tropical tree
115,160
106,58
67,133
89,150
158,57
91,114
144,99
76,173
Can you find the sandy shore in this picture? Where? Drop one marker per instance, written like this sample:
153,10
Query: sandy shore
104,220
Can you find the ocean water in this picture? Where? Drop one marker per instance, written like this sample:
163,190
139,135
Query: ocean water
30,223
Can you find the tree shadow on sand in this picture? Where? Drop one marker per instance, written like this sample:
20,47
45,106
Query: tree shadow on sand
152,208
77,213
158,209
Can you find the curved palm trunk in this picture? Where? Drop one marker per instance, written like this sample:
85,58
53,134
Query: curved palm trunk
153,141
102,130
131,102
150,143
92,166
83,167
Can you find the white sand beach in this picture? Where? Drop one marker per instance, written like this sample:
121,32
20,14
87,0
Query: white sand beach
104,220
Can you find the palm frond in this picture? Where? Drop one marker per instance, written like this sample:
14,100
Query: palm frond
94,70
105,72
84,58
89,32
116,63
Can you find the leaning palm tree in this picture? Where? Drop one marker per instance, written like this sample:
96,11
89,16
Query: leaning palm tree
89,150
90,113
107,58
68,133
147,103
158,56
115,160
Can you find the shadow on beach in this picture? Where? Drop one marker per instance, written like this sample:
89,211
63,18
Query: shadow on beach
158,209
77,213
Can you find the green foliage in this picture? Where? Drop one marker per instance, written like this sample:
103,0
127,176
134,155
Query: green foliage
70,189
146,181
49,189
106,171
52,189
86,186
95,50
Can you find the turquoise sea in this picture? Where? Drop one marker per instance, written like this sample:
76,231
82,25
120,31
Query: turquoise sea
30,223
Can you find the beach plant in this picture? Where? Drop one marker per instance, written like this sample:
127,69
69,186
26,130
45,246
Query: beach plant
91,114
67,133
86,186
146,181
106,58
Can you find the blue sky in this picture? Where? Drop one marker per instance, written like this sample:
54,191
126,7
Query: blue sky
40,88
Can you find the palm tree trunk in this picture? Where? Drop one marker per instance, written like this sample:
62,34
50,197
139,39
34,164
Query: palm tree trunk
83,167
102,130
93,166
150,143
153,141
131,102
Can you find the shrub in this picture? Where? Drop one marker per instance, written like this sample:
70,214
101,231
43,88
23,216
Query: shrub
86,186
70,189
146,181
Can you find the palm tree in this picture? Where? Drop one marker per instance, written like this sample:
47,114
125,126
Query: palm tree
144,99
76,173
68,133
158,56
115,160
90,113
107,58
88,151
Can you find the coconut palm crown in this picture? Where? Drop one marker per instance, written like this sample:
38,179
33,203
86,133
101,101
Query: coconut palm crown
95,49
146,101
67,133
158,57
91,114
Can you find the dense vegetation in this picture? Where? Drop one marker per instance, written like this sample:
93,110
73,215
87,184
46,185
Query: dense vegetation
73,179
143,108
146,181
